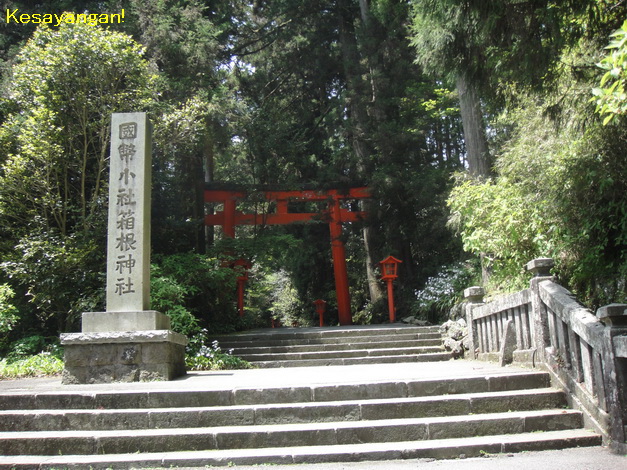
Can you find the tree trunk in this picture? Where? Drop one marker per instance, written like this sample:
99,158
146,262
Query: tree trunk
198,214
479,161
208,151
358,119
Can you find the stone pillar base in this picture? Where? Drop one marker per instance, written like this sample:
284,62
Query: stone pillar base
123,356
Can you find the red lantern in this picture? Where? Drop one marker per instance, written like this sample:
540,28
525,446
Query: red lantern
389,268
389,272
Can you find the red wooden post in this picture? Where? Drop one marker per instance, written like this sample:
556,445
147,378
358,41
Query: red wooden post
391,307
229,218
339,264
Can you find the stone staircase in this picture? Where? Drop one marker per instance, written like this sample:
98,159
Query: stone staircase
299,347
301,415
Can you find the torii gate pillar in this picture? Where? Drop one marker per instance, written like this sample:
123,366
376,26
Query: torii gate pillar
339,265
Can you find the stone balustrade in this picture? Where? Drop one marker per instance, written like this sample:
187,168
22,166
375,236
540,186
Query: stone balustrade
544,326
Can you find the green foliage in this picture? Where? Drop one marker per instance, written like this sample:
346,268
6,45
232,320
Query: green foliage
42,364
373,313
61,277
281,299
32,356
213,358
65,84
560,192
444,290
611,96
168,297
501,222
28,346
195,290
8,312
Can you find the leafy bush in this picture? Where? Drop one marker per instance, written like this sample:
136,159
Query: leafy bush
443,291
33,356
42,364
31,345
285,304
8,312
169,297
194,290
60,276
503,225
559,192
372,313
203,357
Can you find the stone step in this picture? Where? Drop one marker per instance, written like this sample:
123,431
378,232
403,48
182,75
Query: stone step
285,435
269,340
432,449
349,361
332,353
296,347
317,392
253,348
325,411
332,334
264,417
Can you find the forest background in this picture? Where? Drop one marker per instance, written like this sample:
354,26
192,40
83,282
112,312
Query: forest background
490,133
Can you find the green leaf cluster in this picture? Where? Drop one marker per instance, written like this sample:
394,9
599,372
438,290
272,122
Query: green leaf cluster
611,95
56,275
8,311
194,290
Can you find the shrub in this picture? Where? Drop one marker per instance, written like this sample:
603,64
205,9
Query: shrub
559,192
8,312
43,364
203,357
443,291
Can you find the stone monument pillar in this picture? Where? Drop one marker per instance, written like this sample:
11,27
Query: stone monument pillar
129,342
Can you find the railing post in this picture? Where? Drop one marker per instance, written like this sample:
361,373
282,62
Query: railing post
614,358
474,298
541,269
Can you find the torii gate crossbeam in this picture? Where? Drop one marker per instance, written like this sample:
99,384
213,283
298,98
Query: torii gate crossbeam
334,215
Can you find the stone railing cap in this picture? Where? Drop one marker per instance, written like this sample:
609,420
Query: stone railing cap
613,314
474,291
540,266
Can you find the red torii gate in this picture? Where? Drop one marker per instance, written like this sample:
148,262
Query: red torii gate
229,217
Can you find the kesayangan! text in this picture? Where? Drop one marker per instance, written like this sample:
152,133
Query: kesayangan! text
14,16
